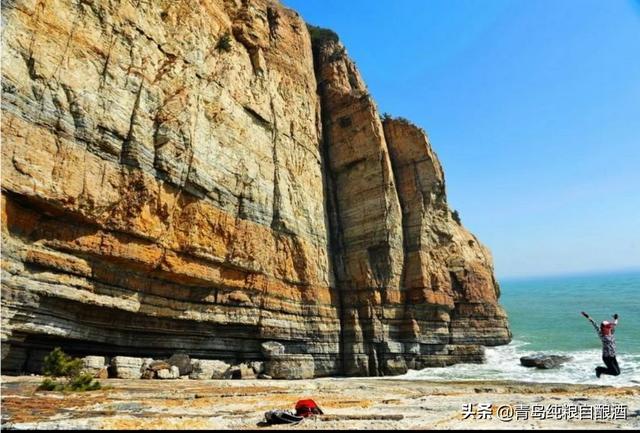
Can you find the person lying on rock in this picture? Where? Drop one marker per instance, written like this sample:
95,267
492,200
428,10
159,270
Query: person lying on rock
605,332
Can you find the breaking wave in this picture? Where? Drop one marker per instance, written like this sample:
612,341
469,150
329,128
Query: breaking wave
503,363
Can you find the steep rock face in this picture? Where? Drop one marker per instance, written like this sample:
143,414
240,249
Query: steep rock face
417,289
159,190
171,180
367,219
448,273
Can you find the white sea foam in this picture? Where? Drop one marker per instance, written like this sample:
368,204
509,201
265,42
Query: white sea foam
503,363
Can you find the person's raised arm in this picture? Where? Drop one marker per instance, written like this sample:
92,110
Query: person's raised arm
593,322
615,323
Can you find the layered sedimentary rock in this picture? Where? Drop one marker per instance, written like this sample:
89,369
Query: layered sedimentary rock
451,293
177,176
366,214
417,289
160,192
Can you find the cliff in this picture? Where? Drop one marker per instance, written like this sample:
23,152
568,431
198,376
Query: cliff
201,177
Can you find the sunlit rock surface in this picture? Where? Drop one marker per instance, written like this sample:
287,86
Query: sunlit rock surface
196,177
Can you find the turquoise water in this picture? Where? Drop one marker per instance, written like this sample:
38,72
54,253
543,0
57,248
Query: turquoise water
544,315
545,312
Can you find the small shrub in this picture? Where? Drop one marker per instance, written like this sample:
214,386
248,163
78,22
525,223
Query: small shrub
59,364
456,217
399,119
320,36
83,382
50,385
338,54
224,43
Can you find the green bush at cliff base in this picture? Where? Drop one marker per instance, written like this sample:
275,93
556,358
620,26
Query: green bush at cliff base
50,385
83,382
320,36
59,364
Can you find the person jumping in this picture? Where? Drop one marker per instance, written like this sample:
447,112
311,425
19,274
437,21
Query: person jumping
605,332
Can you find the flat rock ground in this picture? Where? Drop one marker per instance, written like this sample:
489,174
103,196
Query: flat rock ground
348,404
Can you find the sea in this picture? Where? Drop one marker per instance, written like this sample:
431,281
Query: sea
544,315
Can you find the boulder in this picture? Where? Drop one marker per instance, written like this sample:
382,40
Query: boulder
175,371
126,367
543,361
220,370
103,373
93,364
271,348
392,347
242,371
146,362
148,374
247,371
172,373
258,367
182,361
395,366
159,365
290,367
203,369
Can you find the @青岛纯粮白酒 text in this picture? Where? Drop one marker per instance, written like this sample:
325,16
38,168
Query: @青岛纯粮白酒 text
525,412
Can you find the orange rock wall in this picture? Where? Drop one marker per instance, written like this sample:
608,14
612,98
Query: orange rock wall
164,191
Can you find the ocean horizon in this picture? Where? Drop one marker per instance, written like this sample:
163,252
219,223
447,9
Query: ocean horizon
544,316
552,275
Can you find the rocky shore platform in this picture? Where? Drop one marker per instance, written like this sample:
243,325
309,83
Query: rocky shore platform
354,403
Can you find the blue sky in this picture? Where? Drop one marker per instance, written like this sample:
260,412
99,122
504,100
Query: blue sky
533,108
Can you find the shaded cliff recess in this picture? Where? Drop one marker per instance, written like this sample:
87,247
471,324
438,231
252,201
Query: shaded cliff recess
207,179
